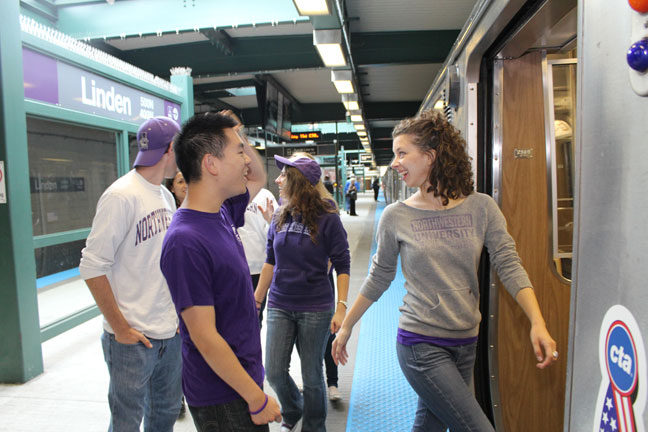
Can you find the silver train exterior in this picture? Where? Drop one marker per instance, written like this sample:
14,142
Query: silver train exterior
557,124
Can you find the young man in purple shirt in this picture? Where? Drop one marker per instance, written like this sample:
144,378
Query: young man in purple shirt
204,264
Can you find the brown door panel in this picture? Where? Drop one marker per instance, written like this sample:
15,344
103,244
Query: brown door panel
531,399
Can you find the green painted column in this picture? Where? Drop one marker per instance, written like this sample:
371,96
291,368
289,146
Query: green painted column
123,158
181,78
20,347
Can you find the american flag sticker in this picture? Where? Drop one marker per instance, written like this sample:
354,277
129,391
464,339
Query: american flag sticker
622,359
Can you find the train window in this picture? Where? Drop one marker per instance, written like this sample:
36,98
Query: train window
560,98
69,168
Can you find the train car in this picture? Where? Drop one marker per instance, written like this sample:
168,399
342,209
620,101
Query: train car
556,122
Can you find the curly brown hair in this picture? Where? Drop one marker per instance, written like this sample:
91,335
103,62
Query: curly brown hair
304,203
451,175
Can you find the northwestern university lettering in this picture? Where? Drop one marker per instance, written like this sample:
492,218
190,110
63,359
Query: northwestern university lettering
154,223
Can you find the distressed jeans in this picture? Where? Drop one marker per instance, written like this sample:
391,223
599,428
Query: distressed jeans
144,383
310,331
442,377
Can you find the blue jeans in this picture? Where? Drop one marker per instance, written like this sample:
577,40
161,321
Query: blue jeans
442,376
144,382
309,330
229,417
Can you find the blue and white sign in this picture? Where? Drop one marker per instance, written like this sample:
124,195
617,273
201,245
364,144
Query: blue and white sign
622,358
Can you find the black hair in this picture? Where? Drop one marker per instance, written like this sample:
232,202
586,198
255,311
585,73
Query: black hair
202,134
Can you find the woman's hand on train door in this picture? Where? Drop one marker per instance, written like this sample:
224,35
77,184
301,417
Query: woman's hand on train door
338,349
544,346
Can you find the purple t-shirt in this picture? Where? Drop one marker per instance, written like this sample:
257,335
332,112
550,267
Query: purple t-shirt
204,265
300,281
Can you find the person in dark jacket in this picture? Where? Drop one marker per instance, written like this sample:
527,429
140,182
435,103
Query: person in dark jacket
375,185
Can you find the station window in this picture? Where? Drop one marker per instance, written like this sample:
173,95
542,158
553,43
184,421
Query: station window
69,168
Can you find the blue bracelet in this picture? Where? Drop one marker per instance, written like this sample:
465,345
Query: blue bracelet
262,407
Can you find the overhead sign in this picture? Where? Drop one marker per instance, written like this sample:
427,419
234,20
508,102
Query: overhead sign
622,360
289,151
366,157
49,80
306,136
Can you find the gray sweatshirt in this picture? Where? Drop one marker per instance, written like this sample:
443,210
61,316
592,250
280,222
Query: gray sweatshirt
440,252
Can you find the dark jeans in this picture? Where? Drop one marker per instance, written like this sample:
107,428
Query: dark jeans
230,417
255,281
352,211
376,190
331,367
442,377
309,330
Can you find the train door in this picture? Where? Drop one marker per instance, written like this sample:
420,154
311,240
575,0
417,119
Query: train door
532,94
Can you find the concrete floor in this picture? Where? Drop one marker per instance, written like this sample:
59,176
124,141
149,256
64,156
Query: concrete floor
71,395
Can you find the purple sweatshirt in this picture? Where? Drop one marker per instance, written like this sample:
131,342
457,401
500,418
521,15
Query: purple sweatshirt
300,281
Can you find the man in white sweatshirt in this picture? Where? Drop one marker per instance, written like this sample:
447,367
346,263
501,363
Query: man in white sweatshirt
121,266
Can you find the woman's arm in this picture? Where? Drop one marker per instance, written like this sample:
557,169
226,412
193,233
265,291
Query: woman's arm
341,308
264,283
339,351
540,337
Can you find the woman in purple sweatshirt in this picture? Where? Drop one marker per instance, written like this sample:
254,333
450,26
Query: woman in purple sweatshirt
306,233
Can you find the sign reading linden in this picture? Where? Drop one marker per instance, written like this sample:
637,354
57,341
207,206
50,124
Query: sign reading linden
49,80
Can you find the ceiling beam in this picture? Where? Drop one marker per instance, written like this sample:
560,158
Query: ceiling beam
402,47
252,55
220,39
223,85
273,53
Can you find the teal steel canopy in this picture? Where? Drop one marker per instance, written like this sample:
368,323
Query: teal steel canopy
128,18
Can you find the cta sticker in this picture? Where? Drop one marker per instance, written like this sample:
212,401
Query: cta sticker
622,358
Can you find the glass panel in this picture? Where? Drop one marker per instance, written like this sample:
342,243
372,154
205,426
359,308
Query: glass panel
61,291
564,80
562,97
69,168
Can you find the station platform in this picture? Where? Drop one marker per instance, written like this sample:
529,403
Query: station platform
71,395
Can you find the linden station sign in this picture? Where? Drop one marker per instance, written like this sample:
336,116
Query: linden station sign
49,80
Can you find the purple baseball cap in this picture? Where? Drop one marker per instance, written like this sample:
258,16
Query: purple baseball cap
153,139
308,167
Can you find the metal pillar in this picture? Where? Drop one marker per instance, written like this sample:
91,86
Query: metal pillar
20,341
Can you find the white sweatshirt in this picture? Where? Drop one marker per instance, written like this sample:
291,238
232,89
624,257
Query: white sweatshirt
254,233
125,244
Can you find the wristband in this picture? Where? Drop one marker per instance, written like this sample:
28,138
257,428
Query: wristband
262,406
346,306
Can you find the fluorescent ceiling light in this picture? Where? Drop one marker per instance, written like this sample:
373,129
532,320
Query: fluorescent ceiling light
350,101
331,54
343,80
351,105
359,127
312,7
343,86
356,118
362,133
439,105
329,46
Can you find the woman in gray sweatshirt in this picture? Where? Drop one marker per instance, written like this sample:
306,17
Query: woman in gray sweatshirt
440,232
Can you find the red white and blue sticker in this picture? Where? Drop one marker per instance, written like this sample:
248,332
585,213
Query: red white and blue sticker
622,358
